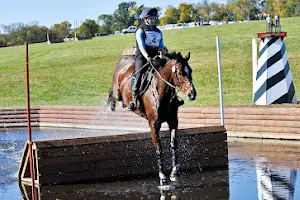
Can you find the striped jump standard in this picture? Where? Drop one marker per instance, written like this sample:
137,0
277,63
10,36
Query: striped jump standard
274,82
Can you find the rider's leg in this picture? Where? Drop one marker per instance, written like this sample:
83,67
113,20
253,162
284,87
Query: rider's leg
136,80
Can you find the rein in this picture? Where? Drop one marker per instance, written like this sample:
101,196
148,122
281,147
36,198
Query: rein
168,83
161,76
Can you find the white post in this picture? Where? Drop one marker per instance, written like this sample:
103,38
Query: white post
220,80
254,65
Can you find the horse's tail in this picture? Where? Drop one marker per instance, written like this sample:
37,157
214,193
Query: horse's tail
111,101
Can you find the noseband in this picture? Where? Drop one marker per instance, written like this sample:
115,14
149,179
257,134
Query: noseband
174,70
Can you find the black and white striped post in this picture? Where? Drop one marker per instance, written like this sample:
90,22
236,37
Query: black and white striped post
273,78
273,182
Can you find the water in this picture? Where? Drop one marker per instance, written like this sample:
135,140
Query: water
257,170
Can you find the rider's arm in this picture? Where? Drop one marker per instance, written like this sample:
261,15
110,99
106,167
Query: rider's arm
161,44
141,42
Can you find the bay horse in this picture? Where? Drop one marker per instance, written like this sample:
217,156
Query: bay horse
159,103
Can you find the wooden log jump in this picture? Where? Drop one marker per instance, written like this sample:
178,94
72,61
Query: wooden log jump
120,156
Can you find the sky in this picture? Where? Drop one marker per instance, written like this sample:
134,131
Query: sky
55,11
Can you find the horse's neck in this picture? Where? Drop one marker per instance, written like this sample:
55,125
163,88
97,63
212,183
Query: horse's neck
164,78
166,71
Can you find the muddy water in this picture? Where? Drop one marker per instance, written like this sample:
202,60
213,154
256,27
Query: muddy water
258,169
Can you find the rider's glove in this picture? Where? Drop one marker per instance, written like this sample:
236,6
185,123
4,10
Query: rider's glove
149,59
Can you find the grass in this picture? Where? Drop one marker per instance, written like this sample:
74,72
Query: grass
80,73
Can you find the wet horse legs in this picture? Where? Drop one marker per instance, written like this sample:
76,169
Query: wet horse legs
175,166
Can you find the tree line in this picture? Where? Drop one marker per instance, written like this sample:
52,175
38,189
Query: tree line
127,14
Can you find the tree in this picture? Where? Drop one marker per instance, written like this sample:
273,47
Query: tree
204,11
292,8
269,7
18,33
36,34
84,32
136,12
106,22
280,8
245,9
171,16
122,17
62,30
88,27
2,40
185,13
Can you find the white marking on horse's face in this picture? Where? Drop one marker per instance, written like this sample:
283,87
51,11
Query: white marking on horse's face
186,69
173,68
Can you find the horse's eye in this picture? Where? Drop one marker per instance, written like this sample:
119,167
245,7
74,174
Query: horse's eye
180,73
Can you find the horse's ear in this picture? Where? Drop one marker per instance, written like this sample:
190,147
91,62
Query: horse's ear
187,57
178,56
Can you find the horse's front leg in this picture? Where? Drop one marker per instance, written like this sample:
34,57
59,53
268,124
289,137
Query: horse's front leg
154,128
175,173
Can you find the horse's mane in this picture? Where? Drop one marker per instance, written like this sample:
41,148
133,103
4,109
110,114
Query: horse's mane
161,62
171,55
167,57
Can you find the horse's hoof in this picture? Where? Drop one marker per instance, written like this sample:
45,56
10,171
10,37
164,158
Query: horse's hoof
112,107
174,178
162,179
175,174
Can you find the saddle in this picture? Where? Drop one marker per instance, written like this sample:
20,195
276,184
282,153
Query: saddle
149,74
146,80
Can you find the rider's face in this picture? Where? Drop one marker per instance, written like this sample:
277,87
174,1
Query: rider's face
151,20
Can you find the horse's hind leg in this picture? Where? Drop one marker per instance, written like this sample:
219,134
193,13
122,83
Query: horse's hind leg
175,166
111,101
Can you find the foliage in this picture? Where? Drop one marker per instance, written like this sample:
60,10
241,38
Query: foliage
122,17
18,33
204,11
245,9
185,12
106,22
171,16
60,31
136,11
88,29
269,7
292,8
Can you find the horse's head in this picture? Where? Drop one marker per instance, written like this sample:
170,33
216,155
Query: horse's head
182,76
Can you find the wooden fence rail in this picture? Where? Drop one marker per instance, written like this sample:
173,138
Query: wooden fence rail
261,122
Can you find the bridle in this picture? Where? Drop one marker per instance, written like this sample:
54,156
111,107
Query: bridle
174,70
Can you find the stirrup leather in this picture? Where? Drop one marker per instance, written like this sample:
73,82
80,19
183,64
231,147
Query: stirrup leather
133,104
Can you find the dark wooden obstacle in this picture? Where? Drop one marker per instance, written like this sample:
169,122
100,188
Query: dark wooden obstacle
120,156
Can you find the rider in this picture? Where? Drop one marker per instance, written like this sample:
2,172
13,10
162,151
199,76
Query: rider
149,41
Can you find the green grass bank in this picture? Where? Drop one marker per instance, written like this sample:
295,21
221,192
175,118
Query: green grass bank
80,73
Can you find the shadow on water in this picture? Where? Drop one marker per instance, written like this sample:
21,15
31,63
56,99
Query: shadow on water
258,169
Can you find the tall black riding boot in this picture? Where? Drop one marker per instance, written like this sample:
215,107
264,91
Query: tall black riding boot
179,101
133,104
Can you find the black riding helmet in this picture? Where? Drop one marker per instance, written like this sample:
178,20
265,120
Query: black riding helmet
147,12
